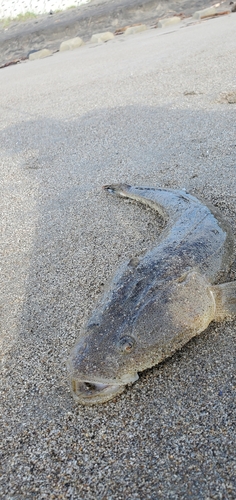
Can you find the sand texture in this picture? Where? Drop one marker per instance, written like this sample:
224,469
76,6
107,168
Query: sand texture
150,109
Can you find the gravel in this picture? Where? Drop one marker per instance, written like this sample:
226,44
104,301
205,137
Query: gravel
147,110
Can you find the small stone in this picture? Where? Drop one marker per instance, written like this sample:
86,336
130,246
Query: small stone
40,54
200,14
71,44
230,97
135,29
120,31
102,37
169,21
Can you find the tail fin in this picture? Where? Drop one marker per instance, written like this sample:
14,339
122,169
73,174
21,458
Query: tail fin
225,298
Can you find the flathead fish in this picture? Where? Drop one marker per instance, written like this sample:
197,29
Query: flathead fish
156,302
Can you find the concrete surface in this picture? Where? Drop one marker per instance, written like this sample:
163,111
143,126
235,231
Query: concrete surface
147,110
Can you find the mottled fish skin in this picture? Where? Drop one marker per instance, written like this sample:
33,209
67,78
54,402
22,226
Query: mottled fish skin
156,302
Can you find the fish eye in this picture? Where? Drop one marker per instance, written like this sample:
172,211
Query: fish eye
95,324
126,344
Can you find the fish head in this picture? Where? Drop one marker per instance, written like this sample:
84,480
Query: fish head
100,365
126,337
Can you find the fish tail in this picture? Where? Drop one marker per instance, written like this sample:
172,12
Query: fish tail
118,189
225,299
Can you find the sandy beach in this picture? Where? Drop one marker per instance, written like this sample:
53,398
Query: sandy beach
152,109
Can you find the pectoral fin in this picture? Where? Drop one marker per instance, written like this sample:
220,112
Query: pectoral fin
225,300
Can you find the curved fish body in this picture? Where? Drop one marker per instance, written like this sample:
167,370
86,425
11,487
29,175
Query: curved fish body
156,302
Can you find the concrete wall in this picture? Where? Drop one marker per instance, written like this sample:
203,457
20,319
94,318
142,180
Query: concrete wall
12,8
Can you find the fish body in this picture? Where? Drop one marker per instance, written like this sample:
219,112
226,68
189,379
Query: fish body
157,302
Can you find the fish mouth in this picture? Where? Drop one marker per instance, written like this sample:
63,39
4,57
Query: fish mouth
90,393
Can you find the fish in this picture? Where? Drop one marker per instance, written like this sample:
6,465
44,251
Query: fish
158,301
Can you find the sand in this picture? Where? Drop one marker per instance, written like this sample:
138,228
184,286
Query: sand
151,110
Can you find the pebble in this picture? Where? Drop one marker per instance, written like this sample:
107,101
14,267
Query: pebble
200,14
163,23
135,29
229,97
40,54
102,37
71,44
